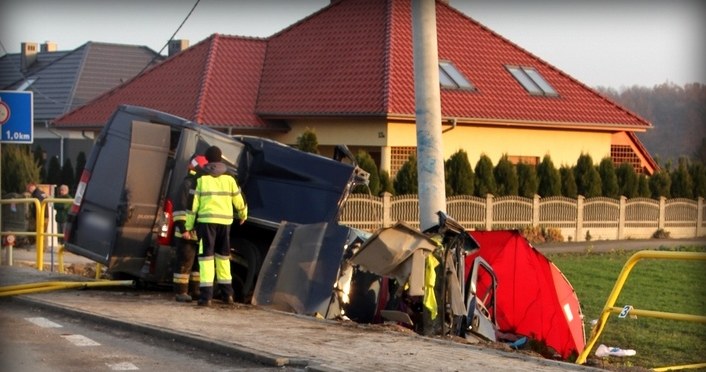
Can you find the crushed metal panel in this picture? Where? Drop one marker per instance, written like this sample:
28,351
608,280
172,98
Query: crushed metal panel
388,253
301,269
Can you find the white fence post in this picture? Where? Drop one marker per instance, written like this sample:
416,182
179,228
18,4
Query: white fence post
489,212
621,217
579,218
662,208
535,211
700,217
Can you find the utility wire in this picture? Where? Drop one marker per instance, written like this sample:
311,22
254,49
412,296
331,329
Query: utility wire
171,38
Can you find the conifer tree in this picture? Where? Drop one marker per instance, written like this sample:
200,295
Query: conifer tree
308,142
506,183
609,179
18,168
485,180
386,182
568,183
459,175
40,158
366,163
660,184
549,178
54,171
682,186
643,188
588,180
628,181
67,175
527,179
406,178
698,176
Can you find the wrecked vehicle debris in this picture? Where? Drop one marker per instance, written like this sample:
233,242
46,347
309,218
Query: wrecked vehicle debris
532,296
122,213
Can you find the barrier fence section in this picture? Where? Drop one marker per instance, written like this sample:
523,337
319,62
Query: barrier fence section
579,219
39,233
623,311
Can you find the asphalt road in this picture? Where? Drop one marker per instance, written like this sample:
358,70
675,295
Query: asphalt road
38,340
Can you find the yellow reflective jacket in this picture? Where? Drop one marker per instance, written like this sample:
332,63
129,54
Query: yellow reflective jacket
215,196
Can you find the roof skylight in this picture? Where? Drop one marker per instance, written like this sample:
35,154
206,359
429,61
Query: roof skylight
26,84
450,77
532,81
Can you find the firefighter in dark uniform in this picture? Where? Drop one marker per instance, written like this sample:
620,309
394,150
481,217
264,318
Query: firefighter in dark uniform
217,195
186,273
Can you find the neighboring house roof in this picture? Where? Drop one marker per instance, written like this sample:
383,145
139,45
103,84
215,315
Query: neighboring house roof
214,82
63,81
355,58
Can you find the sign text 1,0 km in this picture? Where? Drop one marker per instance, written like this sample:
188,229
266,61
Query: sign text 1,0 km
16,117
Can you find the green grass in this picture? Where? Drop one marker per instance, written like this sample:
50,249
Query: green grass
674,286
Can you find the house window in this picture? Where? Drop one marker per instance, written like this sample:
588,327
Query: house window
398,156
450,77
532,81
517,159
624,154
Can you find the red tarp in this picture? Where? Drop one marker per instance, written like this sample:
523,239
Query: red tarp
533,297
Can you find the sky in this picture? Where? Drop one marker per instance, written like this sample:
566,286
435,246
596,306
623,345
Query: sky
616,44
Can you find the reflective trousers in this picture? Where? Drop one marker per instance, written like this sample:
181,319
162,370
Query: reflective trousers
214,259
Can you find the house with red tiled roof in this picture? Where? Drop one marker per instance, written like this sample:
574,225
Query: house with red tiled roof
346,73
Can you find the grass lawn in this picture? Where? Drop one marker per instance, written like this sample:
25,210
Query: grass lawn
673,286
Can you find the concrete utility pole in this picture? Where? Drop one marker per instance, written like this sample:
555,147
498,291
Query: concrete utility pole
427,95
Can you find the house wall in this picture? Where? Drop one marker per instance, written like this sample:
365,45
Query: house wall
564,147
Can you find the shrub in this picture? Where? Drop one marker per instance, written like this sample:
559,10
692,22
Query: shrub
485,180
366,162
18,168
505,177
459,174
406,179
660,234
308,142
549,178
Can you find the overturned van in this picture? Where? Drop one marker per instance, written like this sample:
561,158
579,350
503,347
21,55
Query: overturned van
122,213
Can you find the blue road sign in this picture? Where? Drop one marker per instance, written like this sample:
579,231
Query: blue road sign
16,117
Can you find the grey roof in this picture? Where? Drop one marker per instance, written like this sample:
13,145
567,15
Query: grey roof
66,80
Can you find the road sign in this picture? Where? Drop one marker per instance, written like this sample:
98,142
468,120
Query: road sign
16,117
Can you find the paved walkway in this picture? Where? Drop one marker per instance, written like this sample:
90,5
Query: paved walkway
274,338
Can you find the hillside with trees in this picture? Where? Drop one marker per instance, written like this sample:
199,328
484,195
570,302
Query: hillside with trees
678,114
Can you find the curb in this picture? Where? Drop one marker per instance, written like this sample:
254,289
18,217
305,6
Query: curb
227,349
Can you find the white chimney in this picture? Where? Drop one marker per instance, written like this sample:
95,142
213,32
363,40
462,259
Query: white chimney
49,46
28,54
177,46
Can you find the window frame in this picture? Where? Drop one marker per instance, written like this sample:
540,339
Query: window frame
451,78
533,82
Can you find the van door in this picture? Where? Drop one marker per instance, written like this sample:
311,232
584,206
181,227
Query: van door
121,200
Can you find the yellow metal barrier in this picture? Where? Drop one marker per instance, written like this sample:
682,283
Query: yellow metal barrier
39,233
20,289
610,308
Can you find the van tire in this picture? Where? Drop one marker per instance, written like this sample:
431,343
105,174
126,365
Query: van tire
245,264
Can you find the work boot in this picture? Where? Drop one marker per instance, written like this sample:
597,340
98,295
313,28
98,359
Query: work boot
180,293
204,302
194,290
183,297
228,300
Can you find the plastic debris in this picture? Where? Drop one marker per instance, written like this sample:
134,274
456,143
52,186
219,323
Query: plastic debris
604,351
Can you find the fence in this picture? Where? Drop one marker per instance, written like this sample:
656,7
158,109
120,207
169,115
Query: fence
578,219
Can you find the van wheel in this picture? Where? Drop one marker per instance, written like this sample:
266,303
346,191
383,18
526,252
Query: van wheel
245,263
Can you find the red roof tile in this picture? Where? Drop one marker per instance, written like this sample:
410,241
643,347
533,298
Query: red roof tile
354,57
214,82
